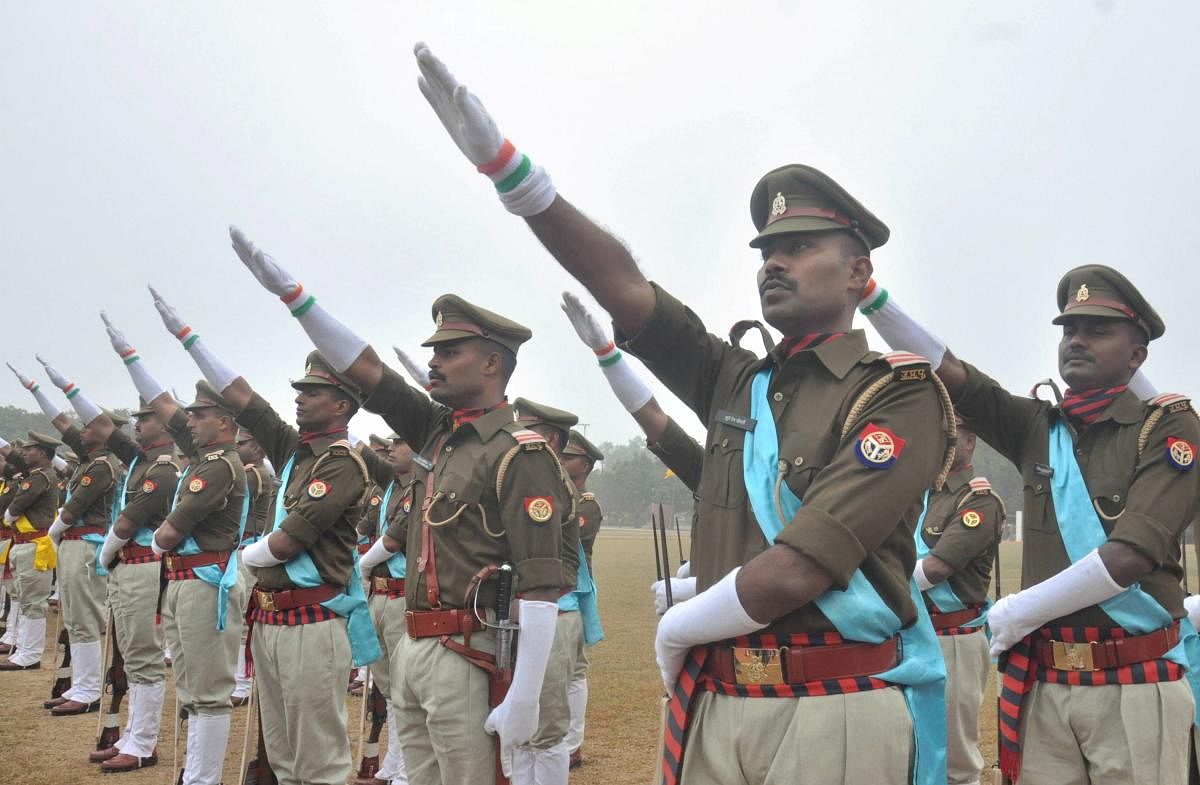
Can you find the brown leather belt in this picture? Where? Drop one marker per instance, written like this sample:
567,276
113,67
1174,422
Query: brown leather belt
434,624
78,532
21,538
1098,655
288,599
943,621
363,547
392,587
176,563
796,665
134,551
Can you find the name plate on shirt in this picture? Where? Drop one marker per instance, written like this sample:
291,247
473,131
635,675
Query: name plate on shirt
422,461
739,421
1043,470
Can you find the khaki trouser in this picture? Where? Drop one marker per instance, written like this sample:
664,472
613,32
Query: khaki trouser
441,702
388,615
202,658
301,674
580,670
30,587
133,595
862,737
967,665
1134,734
81,591
554,713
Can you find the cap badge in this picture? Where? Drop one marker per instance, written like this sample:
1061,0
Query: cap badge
439,319
778,204
1083,294
308,369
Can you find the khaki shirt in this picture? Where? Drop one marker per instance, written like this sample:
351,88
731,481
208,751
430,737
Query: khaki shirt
8,489
324,497
36,497
399,505
93,488
1143,502
472,525
150,486
262,498
680,453
853,516
590,517
962,528
208,505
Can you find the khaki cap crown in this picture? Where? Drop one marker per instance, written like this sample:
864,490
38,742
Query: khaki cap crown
578,444
318,371
533,413
207,397
798,198
456,319
1100,291
42,440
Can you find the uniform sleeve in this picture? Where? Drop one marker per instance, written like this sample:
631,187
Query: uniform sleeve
680,453
177,428
278,439
397,524
95,482
152,499
966,536
336,486
204,491
536,545
570,548
591,527
406,410
254,482
1001,419
125,448
853,504
72,438
24,498
1162,497
379,469
684,356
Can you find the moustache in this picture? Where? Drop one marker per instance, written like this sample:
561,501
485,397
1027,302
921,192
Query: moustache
776,282
435,375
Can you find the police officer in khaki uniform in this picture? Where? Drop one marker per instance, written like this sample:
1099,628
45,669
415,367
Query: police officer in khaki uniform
261,480
473,517
545,760
809,542
960,532
578,460
1093,687
29,512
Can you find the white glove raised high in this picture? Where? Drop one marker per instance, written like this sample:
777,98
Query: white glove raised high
629,387
147,386
524,188
415,371
273,278
682,589
84,407
219,374
516,718
48,409
901,331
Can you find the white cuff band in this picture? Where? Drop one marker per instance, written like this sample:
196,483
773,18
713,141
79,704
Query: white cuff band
923,583
903,333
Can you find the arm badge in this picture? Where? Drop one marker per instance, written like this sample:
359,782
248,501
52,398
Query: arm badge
197,484
1181,453
85,480
317,489
539,508
878,447
971,519
149,486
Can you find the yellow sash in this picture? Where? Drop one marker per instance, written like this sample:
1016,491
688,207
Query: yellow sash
45,557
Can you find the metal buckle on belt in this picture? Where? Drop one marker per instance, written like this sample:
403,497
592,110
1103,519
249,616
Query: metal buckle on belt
1072,656
758,666
266,600
171,560
381,583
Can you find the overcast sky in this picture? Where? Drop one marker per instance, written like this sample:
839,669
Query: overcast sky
1003,143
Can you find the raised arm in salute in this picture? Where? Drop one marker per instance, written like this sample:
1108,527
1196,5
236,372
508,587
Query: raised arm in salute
809,537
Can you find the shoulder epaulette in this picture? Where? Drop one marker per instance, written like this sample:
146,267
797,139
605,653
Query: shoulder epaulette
339,446
524,436
1172,402
980,486
214,456
908,367
588,496
165,458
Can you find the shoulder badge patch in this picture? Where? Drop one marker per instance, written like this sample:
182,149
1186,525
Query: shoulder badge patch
539,508
213,456
406,503
971,518
907,367
878,447
375,500
1181,453
197,484
317,489
980,486
588,496
149,486
26,485
85,480
1172,402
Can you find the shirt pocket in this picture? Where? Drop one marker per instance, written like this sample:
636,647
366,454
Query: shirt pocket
722,480
1039,503
1109,493
803,456
453,494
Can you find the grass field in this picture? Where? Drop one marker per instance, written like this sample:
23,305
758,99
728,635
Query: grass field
622,722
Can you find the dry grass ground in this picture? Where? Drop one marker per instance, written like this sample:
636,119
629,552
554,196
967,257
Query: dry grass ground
622,723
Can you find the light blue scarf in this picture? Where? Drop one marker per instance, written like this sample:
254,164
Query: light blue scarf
397,565
585,600
942,594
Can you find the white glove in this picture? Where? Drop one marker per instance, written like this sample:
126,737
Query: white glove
1191,604
4,443
524,188
218,374
57,529
681,589
258,554
9,518
376,555
418,374
923,583
900,330
113,543
84,407
712,615
1141,386
58,462
334,340
1086,582
147,386
684,571
629,387
48,409
516,718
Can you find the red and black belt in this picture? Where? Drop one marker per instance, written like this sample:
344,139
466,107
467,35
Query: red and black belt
79,532
291,607
23,538
952,623
392,587
771,666
1076,656
132,553
183,568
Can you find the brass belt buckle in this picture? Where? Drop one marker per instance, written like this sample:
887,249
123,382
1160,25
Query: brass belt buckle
266,600
757,666
1072,656
171,562
381,584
